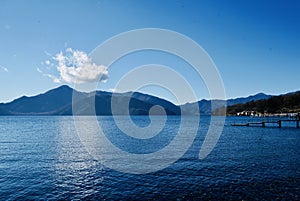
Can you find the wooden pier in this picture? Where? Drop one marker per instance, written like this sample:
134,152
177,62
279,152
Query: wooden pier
263,123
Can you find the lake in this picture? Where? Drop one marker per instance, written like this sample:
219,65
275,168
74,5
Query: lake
44,158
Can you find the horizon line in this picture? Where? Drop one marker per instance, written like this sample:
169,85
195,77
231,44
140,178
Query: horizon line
150,94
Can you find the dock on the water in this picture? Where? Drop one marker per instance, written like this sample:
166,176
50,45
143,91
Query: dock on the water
263,123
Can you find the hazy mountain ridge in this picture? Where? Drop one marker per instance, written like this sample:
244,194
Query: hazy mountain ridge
205,105
286,103
58,101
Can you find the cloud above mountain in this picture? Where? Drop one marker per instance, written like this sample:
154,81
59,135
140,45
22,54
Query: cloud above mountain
75,66
54,78
4,69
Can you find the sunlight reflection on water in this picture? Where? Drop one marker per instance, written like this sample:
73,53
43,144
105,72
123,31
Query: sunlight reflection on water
43,158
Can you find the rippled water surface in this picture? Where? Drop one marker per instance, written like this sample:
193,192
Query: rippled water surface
43,158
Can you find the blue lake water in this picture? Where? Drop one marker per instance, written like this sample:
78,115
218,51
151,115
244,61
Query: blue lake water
43,158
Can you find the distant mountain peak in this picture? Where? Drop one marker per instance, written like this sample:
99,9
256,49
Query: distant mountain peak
63,87
261,93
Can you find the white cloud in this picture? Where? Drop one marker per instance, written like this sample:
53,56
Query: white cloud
54,78
47,53
75,66
4,69
39,70
47,62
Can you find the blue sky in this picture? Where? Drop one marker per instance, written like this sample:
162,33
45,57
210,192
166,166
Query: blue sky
254,44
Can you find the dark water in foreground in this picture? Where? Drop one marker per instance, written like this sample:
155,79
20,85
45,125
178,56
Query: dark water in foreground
43,158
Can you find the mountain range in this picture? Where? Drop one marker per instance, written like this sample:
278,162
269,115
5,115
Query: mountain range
286,103
58,101
205,105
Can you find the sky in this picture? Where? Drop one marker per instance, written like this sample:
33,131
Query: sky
255,44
